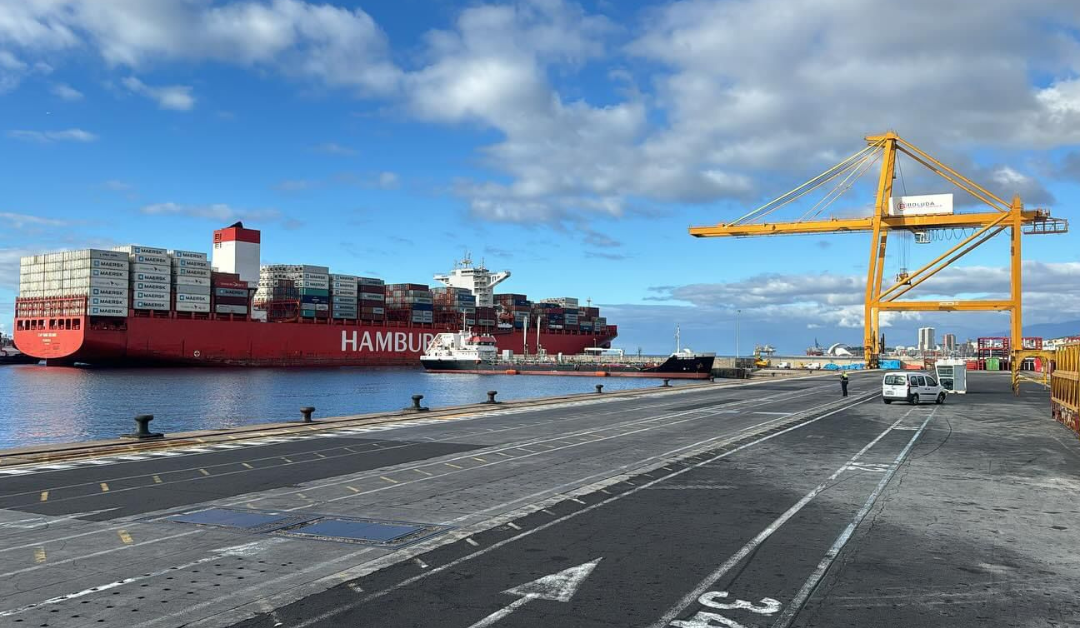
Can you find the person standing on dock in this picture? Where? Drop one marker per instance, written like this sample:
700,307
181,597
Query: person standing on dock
843,382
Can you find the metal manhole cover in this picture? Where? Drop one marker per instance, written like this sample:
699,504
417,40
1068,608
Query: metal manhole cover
247,520
363,531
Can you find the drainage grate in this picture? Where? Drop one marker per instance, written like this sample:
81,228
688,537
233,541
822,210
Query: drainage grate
255,521
363,531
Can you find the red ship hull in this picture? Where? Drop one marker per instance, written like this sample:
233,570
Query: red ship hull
220,342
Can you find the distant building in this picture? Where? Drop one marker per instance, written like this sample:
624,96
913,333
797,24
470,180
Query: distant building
926,339
948,342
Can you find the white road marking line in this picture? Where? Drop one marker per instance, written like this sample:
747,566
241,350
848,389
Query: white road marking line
470,541
760,538
218,553
811,583
513,525
481,552
95,554
420,563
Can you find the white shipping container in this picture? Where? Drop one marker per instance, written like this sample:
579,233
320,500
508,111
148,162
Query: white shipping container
322,307
151,304
109,301
134,249
109,263
344,292
160,260
150,285
195,255
190,306
371,296
109,292
193,298
106,282
106,273
184,280
154,277
230,309
236,293
187,289
151,295
108,311
192,263
191,272
156,269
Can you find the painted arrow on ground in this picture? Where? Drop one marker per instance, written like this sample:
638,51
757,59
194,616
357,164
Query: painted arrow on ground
558,587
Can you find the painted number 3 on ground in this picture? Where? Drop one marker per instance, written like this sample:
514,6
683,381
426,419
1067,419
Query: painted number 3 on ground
716,600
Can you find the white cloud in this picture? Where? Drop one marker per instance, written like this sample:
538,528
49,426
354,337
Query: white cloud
46,137
388,180
174,97
335,46
66,92
333,148
114,185
219,212
19,221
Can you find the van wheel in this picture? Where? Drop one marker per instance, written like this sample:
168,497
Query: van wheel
915,399
887,401
940,399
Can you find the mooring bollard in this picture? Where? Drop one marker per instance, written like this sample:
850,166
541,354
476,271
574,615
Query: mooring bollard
306,413
416,407
142,428
666,384
491,396
599,388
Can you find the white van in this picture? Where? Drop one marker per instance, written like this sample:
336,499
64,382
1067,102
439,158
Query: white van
912,387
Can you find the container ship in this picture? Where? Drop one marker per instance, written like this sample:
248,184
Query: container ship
468,352
139,305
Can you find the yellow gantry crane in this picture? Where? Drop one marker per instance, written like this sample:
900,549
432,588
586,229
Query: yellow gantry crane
985,225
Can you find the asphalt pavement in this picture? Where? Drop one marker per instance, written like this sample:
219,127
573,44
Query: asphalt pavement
765,503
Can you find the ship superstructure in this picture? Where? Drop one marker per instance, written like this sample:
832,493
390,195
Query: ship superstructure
478,280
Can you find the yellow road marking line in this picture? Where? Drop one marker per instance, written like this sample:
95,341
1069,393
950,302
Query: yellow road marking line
453,465
157,479
125,537
44,496
230,437
39,555
352,488
422,471
204,472
104,487
390,480
247,465
479,459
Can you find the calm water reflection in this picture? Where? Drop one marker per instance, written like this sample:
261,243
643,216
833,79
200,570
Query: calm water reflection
50,405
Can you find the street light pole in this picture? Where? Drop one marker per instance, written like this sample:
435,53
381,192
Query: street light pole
737,312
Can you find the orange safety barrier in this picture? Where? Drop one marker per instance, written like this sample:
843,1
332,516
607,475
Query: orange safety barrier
1065,386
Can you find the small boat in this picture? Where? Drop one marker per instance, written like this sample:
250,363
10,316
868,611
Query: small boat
477,354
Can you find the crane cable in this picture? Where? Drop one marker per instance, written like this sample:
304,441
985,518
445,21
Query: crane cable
803,189
843,186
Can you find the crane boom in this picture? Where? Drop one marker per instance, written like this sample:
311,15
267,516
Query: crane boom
1012,216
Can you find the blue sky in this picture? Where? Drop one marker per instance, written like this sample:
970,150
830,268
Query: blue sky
571,143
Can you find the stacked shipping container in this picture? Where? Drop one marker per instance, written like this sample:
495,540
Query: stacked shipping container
230,295
311,284
101,276
343,296
151,276
191,281
410,302
371,299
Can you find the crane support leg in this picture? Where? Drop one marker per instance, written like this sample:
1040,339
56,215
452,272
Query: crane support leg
871,332
1016,211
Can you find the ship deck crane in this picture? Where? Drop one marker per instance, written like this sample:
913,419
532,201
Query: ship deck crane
1012,216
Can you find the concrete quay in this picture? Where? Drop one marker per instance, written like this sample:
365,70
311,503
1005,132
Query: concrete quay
741,503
